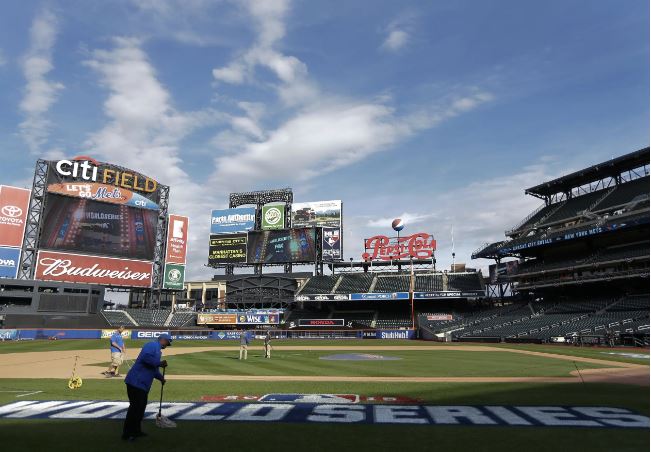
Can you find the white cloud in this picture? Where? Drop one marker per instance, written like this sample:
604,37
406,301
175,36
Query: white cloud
40,92
479,213
399,32
328,136
322,131
396,40
144,133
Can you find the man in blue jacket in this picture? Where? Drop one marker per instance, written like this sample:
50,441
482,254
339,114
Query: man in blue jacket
139,380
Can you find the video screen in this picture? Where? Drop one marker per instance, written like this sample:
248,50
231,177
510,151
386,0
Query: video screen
91,227
281,246
227,249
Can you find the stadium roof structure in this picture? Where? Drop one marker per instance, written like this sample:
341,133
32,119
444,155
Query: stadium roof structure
610,168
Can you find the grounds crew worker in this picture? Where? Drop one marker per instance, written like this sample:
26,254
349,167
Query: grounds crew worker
267,345
139,380
118,351
244,344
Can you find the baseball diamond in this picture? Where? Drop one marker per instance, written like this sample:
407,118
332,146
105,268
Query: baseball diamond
325,226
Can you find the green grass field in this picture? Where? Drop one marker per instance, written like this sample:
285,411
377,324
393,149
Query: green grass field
67,435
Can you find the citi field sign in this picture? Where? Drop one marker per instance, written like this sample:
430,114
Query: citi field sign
85,177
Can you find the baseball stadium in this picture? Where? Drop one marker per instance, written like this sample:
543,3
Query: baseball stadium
290,346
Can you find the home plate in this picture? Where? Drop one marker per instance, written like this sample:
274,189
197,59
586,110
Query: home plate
358,357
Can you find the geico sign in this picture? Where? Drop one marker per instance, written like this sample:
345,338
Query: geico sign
150,334
85,168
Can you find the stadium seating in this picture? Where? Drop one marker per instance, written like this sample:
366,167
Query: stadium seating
428,282
573,207
319,285
117,318
182,318
624,194
464,281
149,317
355,283
389,284
543,320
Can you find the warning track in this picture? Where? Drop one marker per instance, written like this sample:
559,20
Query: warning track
58,364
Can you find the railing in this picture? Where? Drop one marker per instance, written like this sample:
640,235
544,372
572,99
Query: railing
527,218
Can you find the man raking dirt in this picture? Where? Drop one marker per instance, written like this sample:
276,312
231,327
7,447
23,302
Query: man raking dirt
139,380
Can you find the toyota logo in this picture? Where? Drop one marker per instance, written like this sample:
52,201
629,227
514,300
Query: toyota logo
12,211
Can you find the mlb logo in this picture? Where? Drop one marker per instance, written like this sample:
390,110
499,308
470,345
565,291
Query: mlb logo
340,399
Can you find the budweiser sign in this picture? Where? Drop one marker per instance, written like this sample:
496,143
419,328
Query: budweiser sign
417,246
78,268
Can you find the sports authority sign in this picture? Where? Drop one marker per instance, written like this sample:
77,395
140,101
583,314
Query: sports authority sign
177,239
14,203
418,246
79,268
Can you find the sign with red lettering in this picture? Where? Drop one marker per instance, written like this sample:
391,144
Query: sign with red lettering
14,203
177,239
78,268
416,246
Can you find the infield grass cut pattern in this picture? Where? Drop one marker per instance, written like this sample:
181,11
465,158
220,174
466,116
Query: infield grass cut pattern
413,363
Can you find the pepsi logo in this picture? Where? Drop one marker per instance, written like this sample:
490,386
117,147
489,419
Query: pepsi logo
397,224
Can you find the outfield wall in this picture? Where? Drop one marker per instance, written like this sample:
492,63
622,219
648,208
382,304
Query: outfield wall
55,334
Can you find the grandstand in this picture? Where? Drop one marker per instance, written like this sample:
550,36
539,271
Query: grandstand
578,259
547,320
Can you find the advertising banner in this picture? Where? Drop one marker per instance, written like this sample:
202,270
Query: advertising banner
177,239
225,335
323,297
325,214
418,246
59,334
135,334
227,249
100,182
450,294
14,204
380,296
228,221
8,335
258,319
9,262
78,268
281,246
320,322
316,214
395,334
126,334
439,317
174,276
217,319
75,224
103,193
332,244
273,216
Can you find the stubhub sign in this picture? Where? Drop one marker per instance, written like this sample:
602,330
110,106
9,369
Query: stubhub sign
395,334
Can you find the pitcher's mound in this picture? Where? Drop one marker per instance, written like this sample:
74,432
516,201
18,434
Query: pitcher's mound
358,357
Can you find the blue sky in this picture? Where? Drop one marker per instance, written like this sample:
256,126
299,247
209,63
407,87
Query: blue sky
441,113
